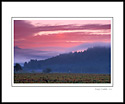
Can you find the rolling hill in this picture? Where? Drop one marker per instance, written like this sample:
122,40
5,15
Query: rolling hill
93,60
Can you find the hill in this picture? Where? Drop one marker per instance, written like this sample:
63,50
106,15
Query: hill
93,60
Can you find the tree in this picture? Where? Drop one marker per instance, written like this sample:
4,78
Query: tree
25,64
17,67
48,70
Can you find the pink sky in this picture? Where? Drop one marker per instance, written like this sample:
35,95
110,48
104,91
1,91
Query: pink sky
28,35
59,35
65,22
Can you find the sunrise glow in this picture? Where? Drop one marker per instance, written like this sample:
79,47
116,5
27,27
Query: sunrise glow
41,39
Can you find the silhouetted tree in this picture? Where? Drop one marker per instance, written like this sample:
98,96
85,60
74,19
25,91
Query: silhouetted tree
32,64
48,70
17,67
25,64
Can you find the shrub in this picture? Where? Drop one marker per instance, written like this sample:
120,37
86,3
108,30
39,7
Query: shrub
47,70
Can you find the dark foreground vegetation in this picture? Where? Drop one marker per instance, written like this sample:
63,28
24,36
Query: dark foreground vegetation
61,78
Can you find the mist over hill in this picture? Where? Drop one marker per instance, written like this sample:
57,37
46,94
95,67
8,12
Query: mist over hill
93,60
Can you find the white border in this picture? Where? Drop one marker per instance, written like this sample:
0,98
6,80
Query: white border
61,84
62,18
63,9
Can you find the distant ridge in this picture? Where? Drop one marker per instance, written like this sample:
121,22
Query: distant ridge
93,60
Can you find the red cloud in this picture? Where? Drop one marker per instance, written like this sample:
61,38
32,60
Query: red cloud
24,35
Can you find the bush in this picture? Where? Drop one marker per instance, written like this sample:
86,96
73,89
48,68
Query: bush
48,70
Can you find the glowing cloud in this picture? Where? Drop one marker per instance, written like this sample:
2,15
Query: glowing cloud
58,36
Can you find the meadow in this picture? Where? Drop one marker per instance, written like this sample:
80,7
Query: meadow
61,78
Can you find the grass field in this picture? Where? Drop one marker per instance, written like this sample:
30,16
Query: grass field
61,78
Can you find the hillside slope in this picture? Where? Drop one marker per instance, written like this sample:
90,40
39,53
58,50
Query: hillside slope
93,60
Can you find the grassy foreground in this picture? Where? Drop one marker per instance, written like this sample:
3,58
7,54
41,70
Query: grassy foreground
61,78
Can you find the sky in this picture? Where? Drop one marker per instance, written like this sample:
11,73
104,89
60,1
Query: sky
42,39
